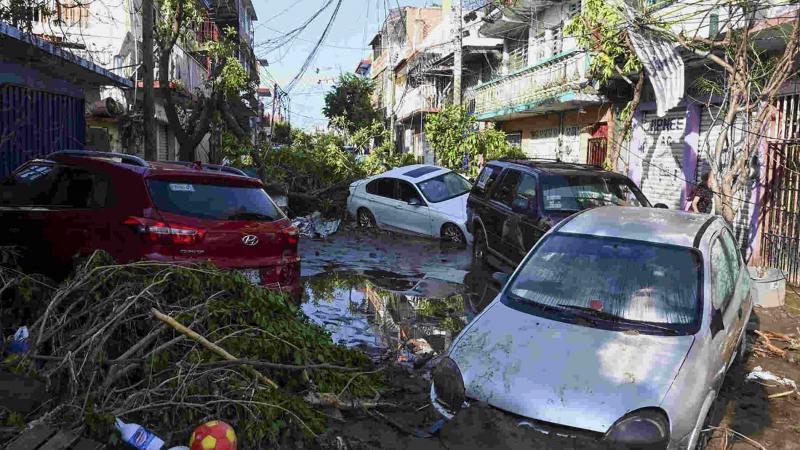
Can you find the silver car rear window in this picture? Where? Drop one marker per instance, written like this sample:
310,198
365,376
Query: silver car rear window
631,281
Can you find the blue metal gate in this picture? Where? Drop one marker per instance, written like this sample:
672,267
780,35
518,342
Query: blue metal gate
34,123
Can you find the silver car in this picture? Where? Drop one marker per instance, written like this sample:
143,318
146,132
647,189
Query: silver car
619,325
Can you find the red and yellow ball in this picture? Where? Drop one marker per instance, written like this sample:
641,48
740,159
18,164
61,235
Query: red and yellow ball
214,435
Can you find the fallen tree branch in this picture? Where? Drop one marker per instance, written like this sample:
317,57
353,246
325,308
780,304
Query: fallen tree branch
271,365
770,346
219,351
782,394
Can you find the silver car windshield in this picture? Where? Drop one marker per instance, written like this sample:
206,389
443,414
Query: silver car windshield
444,187
578,192
613,280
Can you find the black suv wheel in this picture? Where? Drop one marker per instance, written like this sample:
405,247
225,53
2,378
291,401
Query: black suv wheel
479,245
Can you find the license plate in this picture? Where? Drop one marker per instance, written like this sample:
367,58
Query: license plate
253,276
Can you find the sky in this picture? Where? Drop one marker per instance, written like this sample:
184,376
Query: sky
347,43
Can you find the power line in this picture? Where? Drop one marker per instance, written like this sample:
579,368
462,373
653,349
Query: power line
313,53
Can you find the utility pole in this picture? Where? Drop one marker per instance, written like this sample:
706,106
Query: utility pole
457,55
148,105
272,117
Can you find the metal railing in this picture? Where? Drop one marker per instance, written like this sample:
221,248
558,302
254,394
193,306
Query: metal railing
549,77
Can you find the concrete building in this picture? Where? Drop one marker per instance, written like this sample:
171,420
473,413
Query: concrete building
43,92
542,96
414,66
110,36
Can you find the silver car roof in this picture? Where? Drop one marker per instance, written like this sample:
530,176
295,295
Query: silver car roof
662,226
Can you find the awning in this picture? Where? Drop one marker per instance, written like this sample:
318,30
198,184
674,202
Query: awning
55,61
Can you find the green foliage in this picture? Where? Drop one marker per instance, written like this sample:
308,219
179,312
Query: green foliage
282,133
384,157
222,306
351,98
450,134
597,29
311,162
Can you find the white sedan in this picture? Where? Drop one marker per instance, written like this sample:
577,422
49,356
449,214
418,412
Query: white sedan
419,199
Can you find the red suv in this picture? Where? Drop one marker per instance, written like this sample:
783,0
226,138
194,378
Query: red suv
75,202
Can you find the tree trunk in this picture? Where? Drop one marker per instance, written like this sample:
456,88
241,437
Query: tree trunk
616,148
148,103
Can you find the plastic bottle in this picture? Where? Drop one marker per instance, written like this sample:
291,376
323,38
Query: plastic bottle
19,342
138,437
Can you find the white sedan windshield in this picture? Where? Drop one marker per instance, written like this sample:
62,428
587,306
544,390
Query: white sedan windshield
625,280
444,187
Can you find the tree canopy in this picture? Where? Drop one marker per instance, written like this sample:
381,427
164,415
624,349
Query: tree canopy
351,98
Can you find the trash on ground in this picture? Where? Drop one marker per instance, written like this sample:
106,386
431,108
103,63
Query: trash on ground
19,342
138,436
760,375
313,226
419,346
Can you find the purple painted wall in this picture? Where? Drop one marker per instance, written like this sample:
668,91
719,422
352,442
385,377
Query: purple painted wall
690,145
38,115
636,144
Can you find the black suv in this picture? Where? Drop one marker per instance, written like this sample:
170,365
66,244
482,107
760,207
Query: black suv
513,203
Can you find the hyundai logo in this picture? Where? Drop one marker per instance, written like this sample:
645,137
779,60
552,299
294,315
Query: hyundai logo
250,240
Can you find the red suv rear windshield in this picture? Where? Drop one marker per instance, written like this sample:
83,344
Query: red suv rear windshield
213,201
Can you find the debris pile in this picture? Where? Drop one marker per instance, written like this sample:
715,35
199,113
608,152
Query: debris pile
314,227
169,347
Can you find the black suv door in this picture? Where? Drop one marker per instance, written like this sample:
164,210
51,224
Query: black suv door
525,225
498,212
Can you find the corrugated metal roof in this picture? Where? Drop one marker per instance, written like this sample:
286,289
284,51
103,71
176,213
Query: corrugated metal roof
94,73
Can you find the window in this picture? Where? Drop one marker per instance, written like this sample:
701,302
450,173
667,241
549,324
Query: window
515,139
79,188
408,191
420,171
634,284
525,198
505,190
383,187
30,186
724,270
578,192
444,187
216,202
487,176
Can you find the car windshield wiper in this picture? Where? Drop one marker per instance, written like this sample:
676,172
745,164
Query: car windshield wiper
586,312
250,216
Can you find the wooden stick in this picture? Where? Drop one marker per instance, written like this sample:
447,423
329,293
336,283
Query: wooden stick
219,351
770,346
782,394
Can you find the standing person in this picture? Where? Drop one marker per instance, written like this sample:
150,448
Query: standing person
481,162
702,195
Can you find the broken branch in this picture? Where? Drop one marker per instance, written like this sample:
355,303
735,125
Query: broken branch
219,351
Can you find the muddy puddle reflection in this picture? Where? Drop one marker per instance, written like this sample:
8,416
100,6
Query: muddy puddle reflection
371,299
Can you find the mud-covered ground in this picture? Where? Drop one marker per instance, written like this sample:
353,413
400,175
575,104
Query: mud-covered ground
403,300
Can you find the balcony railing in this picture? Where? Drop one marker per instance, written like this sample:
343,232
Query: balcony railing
540,81
421,98
186,71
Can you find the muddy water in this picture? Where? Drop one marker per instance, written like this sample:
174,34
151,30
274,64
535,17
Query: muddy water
378,291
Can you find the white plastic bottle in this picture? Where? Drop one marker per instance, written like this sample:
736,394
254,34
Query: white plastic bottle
138,436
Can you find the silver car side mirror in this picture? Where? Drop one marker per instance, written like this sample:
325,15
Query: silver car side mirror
501,278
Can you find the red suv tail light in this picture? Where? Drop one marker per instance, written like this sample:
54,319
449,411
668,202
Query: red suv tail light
156,232
292,235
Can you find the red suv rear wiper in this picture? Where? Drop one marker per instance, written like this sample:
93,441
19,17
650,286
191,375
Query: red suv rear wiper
250,216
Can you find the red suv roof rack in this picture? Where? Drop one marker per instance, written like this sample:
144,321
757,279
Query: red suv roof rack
128,159
219,168
137,161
